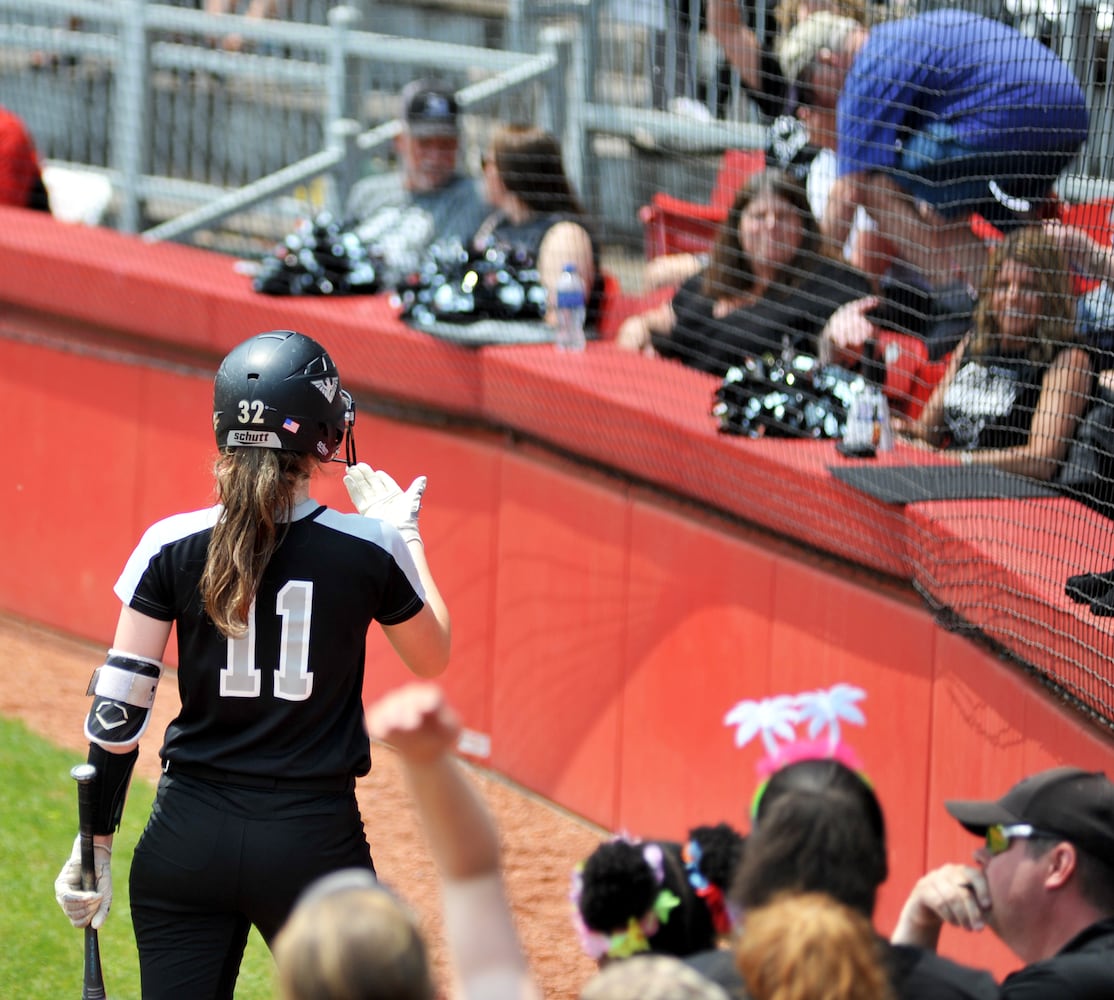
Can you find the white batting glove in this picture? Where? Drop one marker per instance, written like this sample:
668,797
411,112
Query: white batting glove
376,494
85,908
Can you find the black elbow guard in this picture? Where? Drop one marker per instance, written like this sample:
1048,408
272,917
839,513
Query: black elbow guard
110,786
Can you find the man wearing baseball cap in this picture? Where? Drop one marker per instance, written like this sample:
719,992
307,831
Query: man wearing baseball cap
1043,881
940,116
428,200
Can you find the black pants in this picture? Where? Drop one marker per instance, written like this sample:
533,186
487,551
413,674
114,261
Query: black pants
215,859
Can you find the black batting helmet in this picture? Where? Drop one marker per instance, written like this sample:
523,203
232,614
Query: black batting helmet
281,390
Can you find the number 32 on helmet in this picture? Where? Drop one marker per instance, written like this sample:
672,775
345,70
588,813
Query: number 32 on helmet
281,390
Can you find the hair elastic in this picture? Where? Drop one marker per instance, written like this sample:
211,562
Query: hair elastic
635,937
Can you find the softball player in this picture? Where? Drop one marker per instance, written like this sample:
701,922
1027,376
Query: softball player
272,595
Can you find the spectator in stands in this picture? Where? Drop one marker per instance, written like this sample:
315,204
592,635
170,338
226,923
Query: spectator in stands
941,116
801,140
817,826
667,25
812,99
485,954
655,896
538,220
1018,383
234,42
747,47
650,977
768,286
1042,881
21,176
349,937
807,946
401,214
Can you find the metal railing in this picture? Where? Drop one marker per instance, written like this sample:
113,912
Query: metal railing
190,133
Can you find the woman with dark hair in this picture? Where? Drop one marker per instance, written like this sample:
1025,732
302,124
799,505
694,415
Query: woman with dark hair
769,285
538,220
1018,383
820,777
817,826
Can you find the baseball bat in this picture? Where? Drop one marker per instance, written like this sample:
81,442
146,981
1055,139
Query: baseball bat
92,986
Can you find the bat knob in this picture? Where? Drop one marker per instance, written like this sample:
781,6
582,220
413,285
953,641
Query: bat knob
83,772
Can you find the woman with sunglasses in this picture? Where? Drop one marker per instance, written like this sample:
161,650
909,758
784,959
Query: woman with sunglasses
272,595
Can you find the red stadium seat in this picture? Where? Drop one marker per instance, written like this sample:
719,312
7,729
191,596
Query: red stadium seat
1097,219
674,225
617,305
910,376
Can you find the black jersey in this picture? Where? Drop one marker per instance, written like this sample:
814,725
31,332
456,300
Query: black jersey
286,699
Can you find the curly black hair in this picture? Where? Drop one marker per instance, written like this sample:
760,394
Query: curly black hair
721,850
618,884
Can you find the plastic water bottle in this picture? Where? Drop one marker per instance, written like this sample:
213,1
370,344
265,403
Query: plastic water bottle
883,435
570,310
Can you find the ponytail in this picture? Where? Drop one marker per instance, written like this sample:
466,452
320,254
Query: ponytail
256,488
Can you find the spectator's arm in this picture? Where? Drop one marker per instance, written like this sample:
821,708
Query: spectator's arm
954,894
423,728
565,243
738,43
636,331
846,194
848,328
672,269
486,955
1086,256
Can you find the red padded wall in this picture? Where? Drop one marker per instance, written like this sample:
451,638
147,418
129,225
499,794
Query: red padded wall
600,634
560,597
698,627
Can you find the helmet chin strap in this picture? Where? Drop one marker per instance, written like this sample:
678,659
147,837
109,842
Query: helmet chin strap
349,432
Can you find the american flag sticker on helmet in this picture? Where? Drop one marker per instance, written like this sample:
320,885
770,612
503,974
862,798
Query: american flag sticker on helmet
290,425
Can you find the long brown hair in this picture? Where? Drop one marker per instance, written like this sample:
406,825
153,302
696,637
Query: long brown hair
530,166
1055,328
256,488
730,270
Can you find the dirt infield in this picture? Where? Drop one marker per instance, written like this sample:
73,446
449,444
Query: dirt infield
541,844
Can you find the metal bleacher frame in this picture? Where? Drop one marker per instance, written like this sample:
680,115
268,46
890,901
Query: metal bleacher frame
553,46
136,39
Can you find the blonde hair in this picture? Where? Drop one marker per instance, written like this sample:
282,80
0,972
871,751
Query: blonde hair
651,977
788,15
809,947
357,943
256,488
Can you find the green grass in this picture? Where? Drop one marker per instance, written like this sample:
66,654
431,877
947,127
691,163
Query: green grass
42,954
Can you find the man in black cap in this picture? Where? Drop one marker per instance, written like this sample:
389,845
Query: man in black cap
1043,881
428,200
